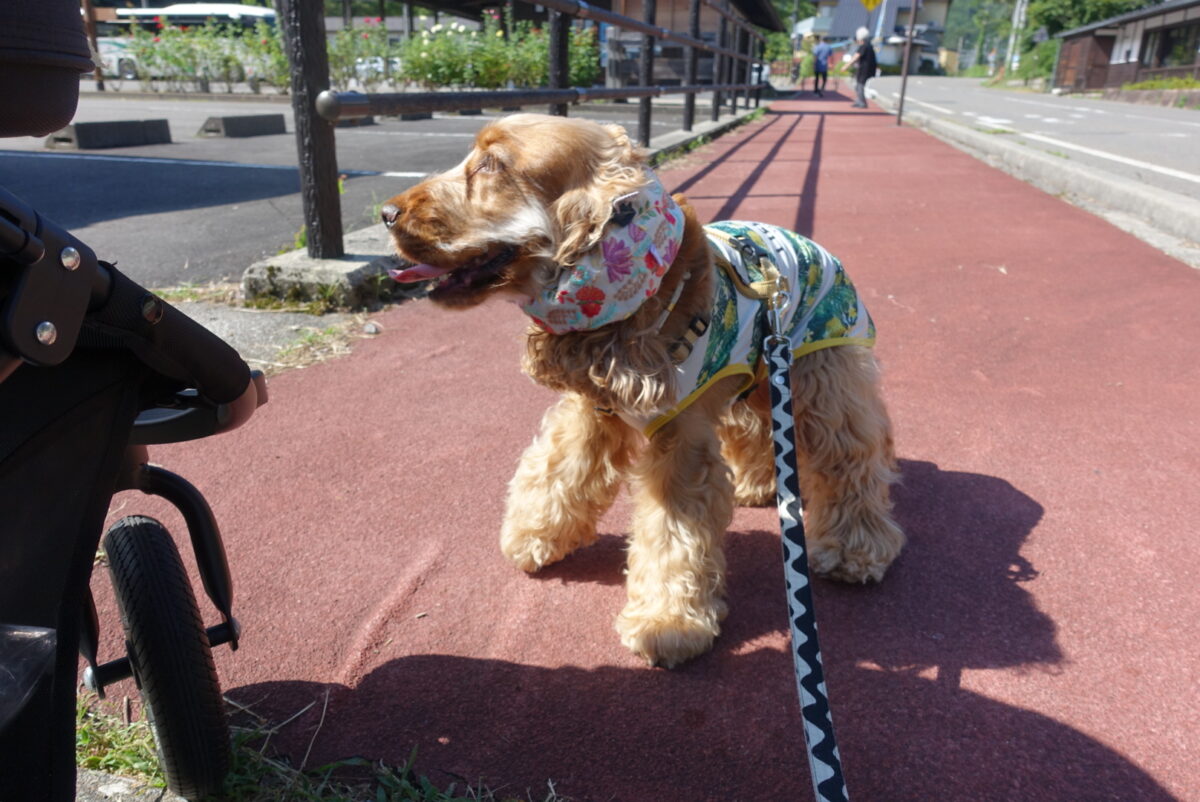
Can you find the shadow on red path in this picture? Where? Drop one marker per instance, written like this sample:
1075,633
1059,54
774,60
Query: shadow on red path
714,728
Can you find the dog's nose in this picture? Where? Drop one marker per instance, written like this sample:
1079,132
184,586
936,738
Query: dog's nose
389,213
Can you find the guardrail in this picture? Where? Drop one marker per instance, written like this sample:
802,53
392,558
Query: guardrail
303,33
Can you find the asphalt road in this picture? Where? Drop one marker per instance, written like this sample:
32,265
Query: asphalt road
1158,146
203,209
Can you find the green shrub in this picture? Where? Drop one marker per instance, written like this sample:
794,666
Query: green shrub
265,61
1165,83
1039,61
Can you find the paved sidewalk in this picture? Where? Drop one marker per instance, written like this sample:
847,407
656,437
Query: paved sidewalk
1036,641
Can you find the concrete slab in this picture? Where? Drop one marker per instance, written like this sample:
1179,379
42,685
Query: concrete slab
110,134
243,125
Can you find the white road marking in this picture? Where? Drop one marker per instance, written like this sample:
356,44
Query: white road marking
942,109
1141,165
1060,107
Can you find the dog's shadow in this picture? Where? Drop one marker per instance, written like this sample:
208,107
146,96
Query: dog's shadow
953,600
726,725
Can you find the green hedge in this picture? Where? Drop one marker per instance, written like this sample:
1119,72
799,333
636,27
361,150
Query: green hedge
215,57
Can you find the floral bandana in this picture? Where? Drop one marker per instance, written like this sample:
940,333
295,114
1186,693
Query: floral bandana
612,281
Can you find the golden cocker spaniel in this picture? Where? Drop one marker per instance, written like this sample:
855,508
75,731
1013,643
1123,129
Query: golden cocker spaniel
651,327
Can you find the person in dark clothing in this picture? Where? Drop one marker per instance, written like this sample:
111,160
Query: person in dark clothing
821,55
864,66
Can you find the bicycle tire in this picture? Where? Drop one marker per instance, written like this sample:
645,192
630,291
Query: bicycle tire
170,655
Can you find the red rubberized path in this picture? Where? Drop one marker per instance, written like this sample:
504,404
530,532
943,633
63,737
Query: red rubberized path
1037,640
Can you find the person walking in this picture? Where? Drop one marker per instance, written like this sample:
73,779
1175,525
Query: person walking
864,64
821,54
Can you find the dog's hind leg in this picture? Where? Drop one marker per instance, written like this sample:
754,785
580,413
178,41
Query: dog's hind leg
844,442
676,566
566,479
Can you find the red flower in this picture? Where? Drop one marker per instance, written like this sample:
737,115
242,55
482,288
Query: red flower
366,36
591,300
157,39
656,266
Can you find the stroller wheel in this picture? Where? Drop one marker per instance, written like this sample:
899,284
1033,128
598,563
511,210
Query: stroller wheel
170,654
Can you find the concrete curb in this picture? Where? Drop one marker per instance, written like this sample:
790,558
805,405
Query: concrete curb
359,278
1169,212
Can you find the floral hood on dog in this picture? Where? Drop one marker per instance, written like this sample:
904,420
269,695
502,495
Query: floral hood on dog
613,280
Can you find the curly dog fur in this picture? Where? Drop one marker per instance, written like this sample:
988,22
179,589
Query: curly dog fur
534,194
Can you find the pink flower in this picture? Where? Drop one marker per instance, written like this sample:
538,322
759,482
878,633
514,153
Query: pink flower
661,206
618,260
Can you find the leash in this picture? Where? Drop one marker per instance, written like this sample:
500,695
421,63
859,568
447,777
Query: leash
824,763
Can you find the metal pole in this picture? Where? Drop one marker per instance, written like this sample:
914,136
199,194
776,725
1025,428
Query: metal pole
647,77
734,68
691,65
912,27
560,32
719,62
89,22
744,43
303,26
763,70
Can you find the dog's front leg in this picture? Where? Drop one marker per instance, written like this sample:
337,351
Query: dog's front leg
676,568
567,477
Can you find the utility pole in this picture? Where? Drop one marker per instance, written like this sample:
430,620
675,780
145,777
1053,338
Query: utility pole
912,29
1014,36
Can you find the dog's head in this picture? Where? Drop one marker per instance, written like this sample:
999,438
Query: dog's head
531,198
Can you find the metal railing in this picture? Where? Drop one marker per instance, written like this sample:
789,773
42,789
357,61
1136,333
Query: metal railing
311,97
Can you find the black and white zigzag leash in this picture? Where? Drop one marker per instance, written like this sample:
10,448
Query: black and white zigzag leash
824,763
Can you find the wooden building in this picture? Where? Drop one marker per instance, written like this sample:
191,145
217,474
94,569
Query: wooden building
1158,41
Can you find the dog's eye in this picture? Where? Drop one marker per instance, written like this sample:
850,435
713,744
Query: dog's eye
488,163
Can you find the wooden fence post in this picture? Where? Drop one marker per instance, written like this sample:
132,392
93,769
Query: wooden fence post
303,25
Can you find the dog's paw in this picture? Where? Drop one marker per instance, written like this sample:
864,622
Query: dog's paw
669,640
754,496
831,559
530,551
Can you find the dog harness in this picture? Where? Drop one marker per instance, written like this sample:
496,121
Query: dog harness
823,311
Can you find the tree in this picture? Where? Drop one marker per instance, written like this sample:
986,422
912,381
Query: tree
978,23
1063,15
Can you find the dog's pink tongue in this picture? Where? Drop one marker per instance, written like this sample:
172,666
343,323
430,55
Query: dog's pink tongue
417,273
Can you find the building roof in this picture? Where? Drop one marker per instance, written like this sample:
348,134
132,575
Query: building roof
1130,16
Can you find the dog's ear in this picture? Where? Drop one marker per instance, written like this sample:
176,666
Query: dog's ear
581,213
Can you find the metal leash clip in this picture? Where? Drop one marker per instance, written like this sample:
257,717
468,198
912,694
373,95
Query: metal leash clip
778,298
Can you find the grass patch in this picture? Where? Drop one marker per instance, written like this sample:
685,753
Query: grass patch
1165,83
106,742
319,345
217,292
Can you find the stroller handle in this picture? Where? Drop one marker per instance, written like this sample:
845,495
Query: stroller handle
60,295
